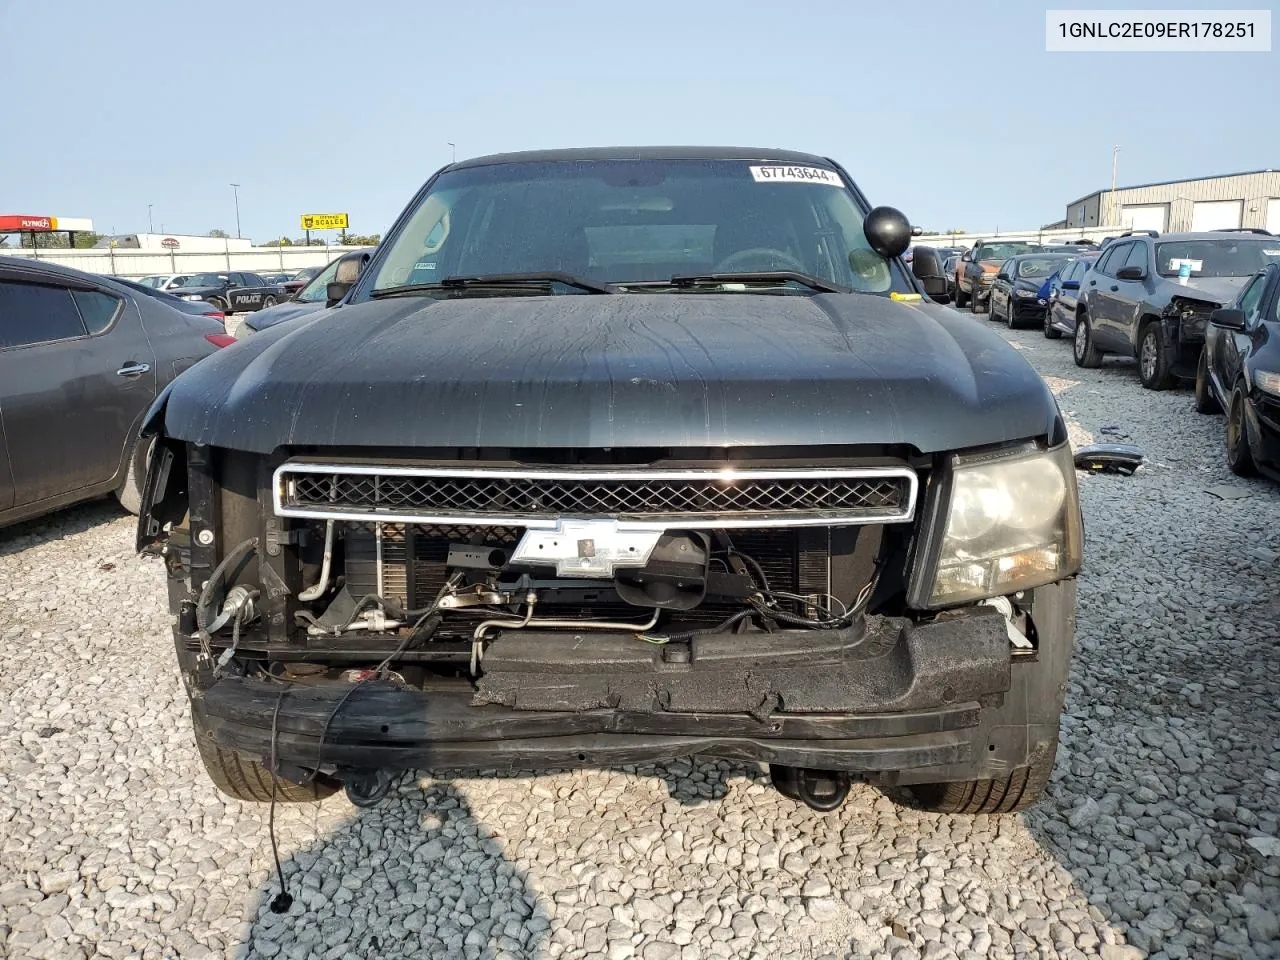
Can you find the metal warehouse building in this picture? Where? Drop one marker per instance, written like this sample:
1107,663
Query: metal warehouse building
1212,203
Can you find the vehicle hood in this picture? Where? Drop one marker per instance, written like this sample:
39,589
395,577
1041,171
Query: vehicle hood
1221,290
281,312
194,291
629,370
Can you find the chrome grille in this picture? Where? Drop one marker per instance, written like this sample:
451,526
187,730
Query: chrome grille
537,498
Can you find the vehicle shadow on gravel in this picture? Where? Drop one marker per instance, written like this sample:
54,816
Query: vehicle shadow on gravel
60,525
419,875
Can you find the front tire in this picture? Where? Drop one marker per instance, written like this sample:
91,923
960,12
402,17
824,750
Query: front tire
962,298
219,304
978,306
1085,353
267,302
1050,331
1009,318
1206,402
1239,455
243,779
1153,359
130,492
1019,790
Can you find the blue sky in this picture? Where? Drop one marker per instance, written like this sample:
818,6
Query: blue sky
952,111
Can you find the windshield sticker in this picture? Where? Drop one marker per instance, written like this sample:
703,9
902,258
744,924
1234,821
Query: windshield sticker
781,174
1271,253
424,265
1193,265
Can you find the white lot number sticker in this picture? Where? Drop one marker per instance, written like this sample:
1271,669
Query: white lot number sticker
1271,253
785,174
1176,263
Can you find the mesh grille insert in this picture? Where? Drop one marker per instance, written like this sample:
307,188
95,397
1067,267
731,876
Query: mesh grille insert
849,495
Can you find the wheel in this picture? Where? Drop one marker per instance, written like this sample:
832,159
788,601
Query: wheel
1019,790
962,298
244,779
979,306
1206,402
1239,456
1010,320
1086,354
130,492
1153,359
1050,331
268,301
219,304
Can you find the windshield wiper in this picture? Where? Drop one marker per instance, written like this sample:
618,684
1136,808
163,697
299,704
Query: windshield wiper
535,281
761,276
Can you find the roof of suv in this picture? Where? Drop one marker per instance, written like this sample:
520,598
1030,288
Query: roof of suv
1198,235
645,153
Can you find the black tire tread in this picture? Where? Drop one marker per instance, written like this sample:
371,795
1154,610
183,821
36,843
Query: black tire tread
245,779
1164,378
1018,791
1093,356
1206,402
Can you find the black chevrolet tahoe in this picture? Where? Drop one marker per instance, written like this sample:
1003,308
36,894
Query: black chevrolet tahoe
616,456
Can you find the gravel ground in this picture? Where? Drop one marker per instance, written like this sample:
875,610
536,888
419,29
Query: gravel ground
1157,836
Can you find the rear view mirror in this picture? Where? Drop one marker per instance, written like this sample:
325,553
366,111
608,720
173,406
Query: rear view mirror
928,270
1228,318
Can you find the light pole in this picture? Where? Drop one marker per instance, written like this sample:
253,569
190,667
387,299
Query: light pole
150,226
454,148
1111,200
235,190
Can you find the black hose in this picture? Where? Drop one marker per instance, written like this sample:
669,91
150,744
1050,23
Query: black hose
240,551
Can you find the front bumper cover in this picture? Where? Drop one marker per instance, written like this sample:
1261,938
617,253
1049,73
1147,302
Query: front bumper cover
902,704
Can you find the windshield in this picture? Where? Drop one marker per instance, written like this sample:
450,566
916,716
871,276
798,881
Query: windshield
1003,251
1217,258
1039,267
635,221
318,288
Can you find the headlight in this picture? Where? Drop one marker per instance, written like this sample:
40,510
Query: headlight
1024,293
1267,382
190,296
1006,522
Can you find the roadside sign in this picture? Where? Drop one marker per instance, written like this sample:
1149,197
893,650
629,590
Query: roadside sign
324,221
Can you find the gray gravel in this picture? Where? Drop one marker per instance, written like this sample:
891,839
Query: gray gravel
1157,836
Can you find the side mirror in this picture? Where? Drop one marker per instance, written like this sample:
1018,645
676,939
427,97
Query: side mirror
1131,273
1002,276
349,269
231,284
1228,318
887,231
928,270
1070,284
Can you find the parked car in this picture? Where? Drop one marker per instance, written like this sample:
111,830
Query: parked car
165,281
82,356
1150,297
534,496
232,292
1239,372
1060,317
976,270
1015,292
195,308
949,272
312,298
300,279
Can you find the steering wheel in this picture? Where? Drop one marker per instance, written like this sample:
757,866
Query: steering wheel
759,258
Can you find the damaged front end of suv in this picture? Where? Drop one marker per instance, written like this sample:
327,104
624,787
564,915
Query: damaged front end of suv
564,520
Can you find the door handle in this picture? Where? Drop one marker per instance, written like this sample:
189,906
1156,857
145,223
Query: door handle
133,369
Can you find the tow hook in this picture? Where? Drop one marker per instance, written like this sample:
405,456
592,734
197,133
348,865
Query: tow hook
821,790
366,788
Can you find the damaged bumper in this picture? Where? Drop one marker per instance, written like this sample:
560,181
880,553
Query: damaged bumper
896,702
